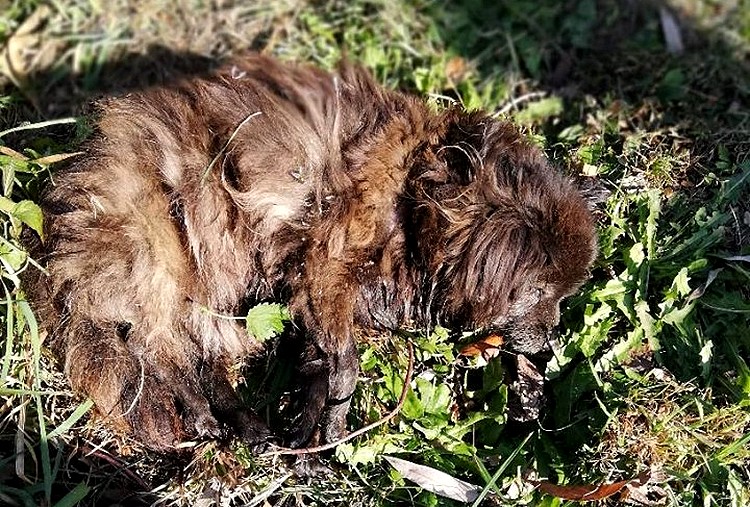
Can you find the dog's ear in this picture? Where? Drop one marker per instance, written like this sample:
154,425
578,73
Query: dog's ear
488,262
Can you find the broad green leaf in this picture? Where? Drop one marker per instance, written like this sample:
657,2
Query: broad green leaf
12,258
413,408
29,213
672,86
363,455
435,398
266,320
540,110
680,284
590,154
593,336
635,256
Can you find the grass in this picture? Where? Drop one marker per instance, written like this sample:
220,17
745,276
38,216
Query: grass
653,375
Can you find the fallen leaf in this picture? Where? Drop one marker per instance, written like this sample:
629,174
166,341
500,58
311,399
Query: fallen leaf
483,350
30,49
582,492
456,69
637,490
12,153
435,481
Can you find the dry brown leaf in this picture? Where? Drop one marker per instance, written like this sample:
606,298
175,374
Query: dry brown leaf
456,69
582,492
486,348
51,159
12,153
30,49
590,492
435,481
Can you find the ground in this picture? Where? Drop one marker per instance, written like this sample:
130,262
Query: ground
647,102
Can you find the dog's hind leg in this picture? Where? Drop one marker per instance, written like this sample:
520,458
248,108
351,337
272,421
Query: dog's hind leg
117,282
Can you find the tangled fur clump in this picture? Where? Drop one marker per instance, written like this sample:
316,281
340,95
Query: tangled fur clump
357,206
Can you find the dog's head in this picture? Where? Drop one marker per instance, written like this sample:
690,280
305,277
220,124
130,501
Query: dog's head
503,236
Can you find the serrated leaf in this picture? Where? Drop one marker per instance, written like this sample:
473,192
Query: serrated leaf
30,214
266,320
540,110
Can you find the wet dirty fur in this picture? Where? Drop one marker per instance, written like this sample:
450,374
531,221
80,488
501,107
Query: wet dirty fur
357,206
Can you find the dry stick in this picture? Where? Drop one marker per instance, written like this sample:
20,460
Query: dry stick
390,415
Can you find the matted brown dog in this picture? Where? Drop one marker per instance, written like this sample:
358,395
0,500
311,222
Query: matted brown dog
358,206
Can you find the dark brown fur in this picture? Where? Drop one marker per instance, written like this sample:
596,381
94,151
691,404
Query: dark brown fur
358,206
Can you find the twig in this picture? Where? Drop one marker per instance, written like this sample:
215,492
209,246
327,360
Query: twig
390,415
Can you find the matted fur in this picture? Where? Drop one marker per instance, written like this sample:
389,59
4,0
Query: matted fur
358,206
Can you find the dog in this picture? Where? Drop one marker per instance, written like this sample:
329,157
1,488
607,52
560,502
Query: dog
359,207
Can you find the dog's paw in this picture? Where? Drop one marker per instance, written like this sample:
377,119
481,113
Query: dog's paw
320,422
310,466
252,431
328,380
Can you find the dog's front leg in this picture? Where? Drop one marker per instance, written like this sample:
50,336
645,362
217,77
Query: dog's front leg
329,362
343,367
328,376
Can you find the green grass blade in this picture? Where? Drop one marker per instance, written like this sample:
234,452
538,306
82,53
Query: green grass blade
732,448
9,335
76,495
36,344
500,471
79,412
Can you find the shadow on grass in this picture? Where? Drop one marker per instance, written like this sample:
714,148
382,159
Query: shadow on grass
678,122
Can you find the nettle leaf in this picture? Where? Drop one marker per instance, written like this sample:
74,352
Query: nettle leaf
29,213
266,320
25,211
